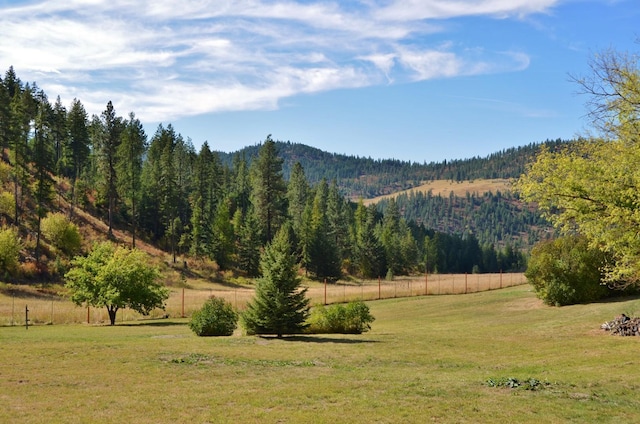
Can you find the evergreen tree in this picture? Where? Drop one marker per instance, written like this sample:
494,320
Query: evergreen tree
248,243
22,113
130,154
59,134
280,306
43,159
207,189
76,152
369,260
269,190
297,195
223,236
108,128
324,261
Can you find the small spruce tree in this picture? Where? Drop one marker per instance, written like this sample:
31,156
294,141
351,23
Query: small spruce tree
280,306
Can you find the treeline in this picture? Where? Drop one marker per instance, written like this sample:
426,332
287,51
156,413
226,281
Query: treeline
193,204
360,177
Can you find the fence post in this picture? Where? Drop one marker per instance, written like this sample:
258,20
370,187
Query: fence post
325,291
379,290
88,316
465,283
426,283
26,317
182,316
500,278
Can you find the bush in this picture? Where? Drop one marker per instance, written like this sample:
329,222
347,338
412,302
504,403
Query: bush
566,271
10,246
216,318
354,318
62,233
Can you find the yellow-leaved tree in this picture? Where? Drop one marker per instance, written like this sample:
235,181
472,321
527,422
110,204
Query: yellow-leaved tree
592,187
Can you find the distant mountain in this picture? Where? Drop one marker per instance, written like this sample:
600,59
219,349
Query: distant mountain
360,177
496,218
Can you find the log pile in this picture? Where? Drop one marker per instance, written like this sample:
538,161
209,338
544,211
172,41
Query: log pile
623,326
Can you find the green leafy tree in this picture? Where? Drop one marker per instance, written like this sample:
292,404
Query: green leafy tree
61,233
115,278
280,306
591,187
10,246
566,271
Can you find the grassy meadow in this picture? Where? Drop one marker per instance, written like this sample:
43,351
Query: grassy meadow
445,187
443,359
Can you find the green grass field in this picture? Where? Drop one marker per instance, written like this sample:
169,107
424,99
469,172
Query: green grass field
427,359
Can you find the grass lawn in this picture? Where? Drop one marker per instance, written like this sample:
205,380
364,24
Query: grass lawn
427,359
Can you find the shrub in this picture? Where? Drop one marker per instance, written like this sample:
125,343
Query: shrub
216,318
62,233
354,318
10,246
566,271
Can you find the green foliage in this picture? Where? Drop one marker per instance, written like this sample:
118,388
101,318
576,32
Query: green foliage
566,271
354,318
10,246
62,233
592,186
216,318
279,306
115,277
7,204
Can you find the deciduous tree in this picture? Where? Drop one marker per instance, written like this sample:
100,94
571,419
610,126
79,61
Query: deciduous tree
115,278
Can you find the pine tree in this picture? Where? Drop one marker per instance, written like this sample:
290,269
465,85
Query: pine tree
248,243
280,306
130,154
269,190
107,133
76,151
43,158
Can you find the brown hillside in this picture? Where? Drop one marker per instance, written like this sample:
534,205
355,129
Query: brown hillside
445,187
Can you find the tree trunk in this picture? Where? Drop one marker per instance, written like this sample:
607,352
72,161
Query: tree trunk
112,314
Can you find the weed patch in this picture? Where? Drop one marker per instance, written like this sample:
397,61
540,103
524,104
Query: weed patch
516,383
201,359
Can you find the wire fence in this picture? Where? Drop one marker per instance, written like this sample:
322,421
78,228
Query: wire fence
16,310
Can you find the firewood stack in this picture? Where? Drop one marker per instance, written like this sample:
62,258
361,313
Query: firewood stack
623,326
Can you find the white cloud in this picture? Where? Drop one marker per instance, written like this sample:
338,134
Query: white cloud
164,60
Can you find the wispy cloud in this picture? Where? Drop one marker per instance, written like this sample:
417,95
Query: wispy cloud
165,60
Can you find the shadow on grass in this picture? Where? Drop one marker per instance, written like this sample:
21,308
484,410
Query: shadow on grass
150,324
319,339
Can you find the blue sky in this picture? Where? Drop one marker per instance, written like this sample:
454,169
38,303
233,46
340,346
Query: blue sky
412,80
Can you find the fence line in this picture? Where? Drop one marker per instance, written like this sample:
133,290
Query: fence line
183,302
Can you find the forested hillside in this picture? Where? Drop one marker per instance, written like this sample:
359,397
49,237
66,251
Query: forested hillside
200,205
361,177
496,218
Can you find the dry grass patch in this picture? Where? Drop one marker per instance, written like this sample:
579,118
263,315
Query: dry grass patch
445,187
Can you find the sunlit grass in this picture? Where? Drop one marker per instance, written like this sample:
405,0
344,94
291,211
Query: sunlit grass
426,359
45,308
